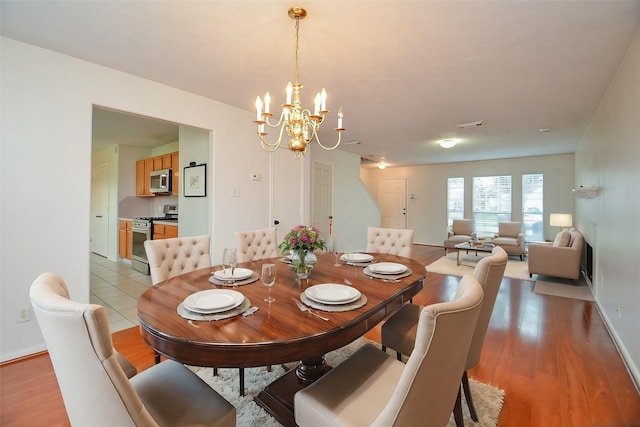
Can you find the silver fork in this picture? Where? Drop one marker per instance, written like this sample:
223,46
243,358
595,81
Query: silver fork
303,307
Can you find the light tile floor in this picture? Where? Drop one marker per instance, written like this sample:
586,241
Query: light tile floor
116,286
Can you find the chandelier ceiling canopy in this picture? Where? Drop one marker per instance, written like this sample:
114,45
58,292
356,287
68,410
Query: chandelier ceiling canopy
300,124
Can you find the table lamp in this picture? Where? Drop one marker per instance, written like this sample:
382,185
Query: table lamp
560,220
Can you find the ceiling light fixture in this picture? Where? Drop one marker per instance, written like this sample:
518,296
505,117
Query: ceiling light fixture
383,164
449,142
299,123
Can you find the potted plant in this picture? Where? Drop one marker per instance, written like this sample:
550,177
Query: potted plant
301,241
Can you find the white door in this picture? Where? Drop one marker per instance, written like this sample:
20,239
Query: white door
100,210
392,198
287,190
322,198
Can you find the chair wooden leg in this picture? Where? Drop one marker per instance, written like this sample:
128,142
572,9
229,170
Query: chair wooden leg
398,356
521,258
384,348
467,395
157,358
241,376
457,410
215,372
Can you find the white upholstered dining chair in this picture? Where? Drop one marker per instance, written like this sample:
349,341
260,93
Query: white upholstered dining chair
390,241
399,331
254,245
94,386
371,388
172,257
178,255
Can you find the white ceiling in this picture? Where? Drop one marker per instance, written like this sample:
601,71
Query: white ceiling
405,72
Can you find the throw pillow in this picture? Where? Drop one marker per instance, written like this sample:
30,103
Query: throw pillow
562,239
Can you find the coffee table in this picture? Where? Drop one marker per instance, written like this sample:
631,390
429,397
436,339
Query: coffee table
468,247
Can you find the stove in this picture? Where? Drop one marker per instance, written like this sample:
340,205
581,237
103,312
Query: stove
142,229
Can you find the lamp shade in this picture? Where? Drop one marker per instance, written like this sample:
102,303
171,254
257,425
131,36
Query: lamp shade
560,220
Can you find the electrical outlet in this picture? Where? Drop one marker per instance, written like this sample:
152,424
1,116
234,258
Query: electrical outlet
24,314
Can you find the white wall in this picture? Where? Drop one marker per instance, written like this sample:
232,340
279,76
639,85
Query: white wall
427,213
195,212
46,122
353,208
609,157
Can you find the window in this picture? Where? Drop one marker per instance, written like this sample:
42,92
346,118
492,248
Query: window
455,199
532,207
491,203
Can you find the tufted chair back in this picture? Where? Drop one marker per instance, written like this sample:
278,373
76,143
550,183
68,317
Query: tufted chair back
172,257
488,272
390,241
256,244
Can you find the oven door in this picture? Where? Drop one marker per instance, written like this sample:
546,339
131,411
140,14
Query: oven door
138,255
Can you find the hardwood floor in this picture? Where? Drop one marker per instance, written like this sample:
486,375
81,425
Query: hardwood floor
553,357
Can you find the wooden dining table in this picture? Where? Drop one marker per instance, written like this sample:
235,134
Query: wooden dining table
278,332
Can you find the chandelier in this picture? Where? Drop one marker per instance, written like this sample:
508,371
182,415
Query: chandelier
299,123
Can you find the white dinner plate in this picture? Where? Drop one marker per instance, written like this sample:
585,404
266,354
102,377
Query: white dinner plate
238,274
213,301
356,257
332,293
388,268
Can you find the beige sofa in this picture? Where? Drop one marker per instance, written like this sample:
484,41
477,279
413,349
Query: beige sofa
560,258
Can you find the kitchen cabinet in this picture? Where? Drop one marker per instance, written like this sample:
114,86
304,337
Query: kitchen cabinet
175,169
162,231
125,238
145,166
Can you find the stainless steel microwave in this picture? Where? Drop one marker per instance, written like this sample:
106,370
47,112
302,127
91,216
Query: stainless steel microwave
160,181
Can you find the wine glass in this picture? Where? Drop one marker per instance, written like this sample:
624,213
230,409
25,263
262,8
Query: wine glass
230,259
268,278
336,254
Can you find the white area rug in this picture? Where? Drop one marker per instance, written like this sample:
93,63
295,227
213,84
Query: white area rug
563,288
516,269
487,399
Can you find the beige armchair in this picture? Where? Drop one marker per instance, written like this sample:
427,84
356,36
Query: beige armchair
461,232
510,238
256,244
371,388
399,331
172,257
558,259
95,389
389,241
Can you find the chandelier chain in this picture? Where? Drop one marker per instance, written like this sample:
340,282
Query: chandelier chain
297,46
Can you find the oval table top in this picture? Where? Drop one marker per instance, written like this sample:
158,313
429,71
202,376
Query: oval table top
278,332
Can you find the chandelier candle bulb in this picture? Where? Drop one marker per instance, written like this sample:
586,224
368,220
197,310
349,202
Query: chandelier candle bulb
323,106
267,101
316,105
258,109
289,92
339,119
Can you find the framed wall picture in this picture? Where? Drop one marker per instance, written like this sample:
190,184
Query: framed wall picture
195,181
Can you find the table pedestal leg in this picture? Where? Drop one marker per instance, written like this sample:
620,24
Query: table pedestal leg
458,258
277,397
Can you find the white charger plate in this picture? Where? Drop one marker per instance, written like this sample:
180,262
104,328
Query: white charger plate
238,274
356,257
388,268
213,301
332,293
